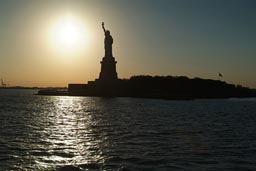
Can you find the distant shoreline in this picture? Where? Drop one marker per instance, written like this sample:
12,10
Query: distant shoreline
32,88
155,87
20,88
46,93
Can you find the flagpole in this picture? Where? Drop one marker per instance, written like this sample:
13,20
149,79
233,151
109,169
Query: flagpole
220,75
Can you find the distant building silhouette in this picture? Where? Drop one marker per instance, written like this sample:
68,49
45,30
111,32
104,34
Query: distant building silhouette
3,84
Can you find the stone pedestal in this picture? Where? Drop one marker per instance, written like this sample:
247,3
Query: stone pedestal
108,70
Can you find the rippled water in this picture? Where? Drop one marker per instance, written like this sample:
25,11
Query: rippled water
91,133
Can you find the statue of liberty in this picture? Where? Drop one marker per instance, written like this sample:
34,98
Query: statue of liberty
108,42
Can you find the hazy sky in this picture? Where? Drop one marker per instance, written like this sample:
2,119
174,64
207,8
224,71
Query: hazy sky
195,38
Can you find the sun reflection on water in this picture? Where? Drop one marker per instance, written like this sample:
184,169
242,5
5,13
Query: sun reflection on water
70,139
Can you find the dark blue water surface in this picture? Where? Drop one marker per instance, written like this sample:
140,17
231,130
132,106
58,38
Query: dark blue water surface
115,134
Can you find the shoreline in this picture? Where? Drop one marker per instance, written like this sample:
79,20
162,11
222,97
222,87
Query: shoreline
45,92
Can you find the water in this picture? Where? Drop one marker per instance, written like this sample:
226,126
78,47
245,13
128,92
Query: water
125,134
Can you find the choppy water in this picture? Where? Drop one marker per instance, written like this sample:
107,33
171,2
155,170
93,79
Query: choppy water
115,134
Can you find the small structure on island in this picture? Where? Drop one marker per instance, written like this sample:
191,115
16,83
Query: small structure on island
108,80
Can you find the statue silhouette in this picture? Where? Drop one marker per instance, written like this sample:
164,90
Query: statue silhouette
108,42
108,72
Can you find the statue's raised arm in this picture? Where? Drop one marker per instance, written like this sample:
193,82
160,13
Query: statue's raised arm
103,27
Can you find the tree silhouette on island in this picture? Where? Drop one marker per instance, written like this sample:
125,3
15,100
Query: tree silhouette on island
166,87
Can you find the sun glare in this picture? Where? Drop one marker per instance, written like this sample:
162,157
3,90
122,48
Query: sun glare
68,35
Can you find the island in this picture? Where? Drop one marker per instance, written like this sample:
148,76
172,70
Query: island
166,87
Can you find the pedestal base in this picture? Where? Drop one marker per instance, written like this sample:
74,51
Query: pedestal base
108,69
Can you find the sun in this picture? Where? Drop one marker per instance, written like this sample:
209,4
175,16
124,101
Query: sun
68,34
